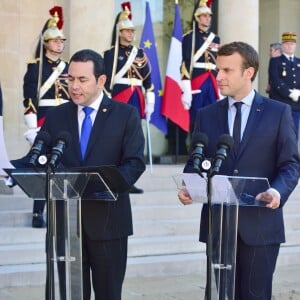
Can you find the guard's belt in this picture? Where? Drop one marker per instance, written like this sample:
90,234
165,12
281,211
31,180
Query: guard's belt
52,102
129,81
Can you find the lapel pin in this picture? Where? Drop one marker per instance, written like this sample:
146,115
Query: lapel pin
104,109
258,109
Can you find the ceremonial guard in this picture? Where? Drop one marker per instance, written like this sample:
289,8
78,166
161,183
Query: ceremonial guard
284,76
198,70
128,70
45,86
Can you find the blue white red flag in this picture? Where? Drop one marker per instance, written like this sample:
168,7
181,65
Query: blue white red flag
172,106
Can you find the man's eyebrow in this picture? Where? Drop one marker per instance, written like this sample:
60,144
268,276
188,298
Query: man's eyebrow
79,77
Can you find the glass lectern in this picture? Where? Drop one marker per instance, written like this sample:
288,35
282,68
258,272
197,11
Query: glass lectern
64,190
227,194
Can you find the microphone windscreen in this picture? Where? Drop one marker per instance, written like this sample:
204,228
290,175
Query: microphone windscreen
64,136
43,136
227,140
199,137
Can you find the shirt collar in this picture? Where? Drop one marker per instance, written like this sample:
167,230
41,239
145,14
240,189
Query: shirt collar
95,105
246,100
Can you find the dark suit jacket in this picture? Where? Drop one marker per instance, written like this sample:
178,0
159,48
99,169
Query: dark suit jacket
268,149
283,76
116,139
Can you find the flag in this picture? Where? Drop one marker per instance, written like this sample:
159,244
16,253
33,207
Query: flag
149,46
172,106
4,162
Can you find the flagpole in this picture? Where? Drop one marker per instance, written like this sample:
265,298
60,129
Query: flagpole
149,143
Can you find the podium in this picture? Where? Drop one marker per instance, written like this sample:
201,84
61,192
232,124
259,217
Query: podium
224,195
64,191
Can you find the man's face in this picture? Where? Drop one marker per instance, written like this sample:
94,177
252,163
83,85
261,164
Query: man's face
233,80
55,46
126,36
204,21
274,52
83,87
289,48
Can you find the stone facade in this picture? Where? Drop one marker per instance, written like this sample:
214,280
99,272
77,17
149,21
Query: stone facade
88,24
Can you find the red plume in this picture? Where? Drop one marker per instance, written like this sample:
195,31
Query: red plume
59,11
208,3
128,5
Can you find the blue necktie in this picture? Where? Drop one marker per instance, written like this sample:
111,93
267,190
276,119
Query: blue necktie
237,127
86,129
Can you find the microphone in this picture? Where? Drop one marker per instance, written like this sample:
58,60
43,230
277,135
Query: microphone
224,145
61,142
199,142
42,139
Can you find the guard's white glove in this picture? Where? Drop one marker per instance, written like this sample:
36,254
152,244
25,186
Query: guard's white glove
31,120
294,94
150,103
31,134
186,97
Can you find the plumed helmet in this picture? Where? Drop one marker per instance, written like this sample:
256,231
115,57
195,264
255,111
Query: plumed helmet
124,18
203,8
54,25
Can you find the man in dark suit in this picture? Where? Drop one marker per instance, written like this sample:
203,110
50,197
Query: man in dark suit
284,76
116,139
266,147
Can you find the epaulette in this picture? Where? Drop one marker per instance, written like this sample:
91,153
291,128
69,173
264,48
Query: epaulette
110,48
188,32
33,61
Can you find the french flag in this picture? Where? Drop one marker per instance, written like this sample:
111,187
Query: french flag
172,106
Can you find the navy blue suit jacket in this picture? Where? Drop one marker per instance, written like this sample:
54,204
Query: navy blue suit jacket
116,139
268,149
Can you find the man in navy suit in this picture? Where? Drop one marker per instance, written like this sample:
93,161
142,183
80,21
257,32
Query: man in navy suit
284,76
267,147
116,139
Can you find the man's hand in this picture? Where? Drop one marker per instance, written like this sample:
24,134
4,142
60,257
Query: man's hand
184,197
150,104
294,94
186,97
270,196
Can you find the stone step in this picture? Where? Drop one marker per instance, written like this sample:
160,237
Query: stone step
145,266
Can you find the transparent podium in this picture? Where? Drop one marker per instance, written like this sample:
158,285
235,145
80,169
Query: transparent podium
63,191
224,195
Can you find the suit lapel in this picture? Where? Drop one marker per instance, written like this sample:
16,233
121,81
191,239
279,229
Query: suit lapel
101,117
255,116
73,125
223,116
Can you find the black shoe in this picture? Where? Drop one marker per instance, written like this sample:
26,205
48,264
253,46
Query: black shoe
135,190
38,221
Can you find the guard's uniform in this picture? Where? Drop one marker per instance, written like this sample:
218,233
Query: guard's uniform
129,87
55,94
284,75
202,72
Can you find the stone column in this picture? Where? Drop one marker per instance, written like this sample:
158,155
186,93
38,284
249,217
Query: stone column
90,24
239,22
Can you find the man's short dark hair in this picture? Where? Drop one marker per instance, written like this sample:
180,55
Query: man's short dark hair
90,55
247,52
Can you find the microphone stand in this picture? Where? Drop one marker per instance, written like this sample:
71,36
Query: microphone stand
209,237
49,239
209,233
